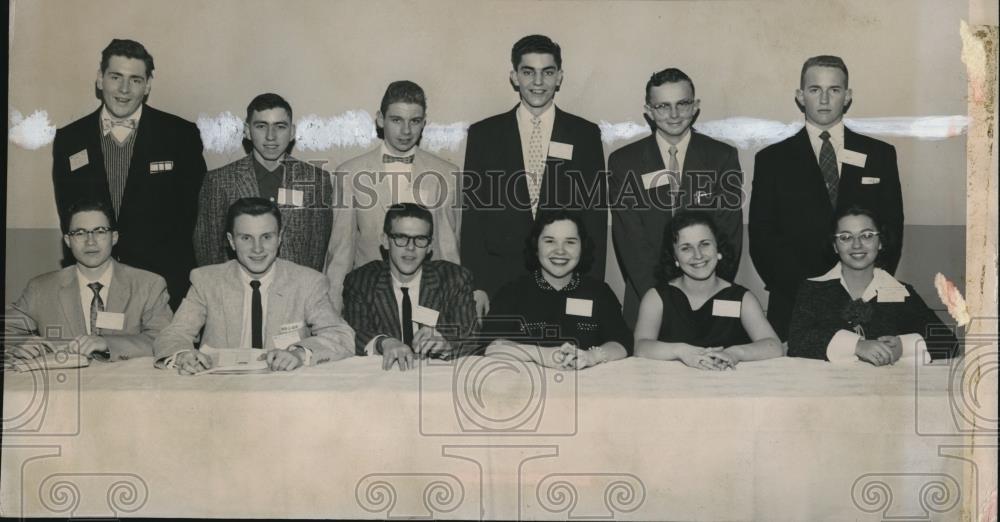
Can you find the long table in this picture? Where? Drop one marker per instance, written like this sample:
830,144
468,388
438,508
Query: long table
785,439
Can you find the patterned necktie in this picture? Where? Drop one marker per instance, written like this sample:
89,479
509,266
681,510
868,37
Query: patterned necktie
96,305
828,164
120,129
386,158
407,317
256,316
675,169
536,164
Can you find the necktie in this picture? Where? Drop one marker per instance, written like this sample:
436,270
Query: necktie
96,305
407,318
120,129
386,158
256,316
536,163
828,164
675,169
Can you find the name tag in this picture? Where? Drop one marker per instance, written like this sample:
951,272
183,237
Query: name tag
80,159
283,341
858,159
289,327
561,150
425,316
870,181
724,308
111,320
290,197
652,180
156,167
580,307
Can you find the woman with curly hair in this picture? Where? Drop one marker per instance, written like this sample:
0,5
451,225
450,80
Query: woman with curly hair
858,310
694,315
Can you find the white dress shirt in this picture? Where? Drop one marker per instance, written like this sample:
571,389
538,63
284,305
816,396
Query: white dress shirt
682,148
87,295
836,139
524,128
246,339
414,291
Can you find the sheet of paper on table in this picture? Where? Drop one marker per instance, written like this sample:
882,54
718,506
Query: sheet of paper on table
233,361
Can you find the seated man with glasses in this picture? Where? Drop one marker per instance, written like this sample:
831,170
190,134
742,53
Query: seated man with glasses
97,307
674,169
858,311
408,306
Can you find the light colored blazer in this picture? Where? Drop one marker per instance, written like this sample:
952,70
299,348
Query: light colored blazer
369,192
49,310
298,296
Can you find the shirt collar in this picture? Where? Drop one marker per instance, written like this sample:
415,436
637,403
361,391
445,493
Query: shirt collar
665,145
104,279
265,280
525,116
881,280
106,115
836,132
573,284
415,282
411,152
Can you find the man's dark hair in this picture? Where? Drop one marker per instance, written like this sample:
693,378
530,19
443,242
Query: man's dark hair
885,237
546,218
89,205
128,49
404,210
535,43
823,60
251,207
403,91
670,75
267,101
668,270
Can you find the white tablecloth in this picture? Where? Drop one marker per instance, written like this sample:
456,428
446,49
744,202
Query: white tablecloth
785,439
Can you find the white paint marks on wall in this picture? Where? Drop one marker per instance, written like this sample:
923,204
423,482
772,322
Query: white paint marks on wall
356,129
33,132
222,133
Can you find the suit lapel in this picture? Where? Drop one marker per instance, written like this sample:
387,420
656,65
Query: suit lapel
246,182
277,304
69,299
120,291
232,293
850,176
385,301
95,154
138,167
430,287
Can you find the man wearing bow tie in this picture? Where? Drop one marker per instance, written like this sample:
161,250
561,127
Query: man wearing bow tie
144,164
395,171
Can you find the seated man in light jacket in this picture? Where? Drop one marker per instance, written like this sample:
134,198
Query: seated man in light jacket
97,307
255,301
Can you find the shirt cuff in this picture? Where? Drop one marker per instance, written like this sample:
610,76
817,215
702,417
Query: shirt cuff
914,349
842,347
171,360
370,347
309,354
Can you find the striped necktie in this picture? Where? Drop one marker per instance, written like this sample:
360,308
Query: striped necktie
96,306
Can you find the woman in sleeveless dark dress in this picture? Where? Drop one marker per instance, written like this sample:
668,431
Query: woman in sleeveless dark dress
695,316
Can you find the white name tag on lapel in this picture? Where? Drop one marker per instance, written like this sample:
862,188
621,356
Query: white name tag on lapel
156,167
290,197
425,316
651,180
865,180
858,159
80,159
580,307
289,327
561,150
283,341
724,308
111,320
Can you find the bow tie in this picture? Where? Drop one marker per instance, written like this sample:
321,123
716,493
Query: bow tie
107,124
386,158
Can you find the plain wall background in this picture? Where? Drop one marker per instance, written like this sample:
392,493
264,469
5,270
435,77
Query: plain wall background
330,57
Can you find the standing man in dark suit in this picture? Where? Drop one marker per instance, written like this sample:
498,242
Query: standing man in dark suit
409,306
146,165
304,193
800,182
525,161
676,168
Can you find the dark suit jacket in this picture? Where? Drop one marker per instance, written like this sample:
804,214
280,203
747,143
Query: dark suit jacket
370,304
305,230
711,181
497,216
790,213
158,210
50,310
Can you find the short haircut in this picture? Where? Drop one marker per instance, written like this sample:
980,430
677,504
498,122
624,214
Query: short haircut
267,101
535,43
885,237
251,207
403,91
89,205
128,49
669,75
405,210
823,60
546,218
684,219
